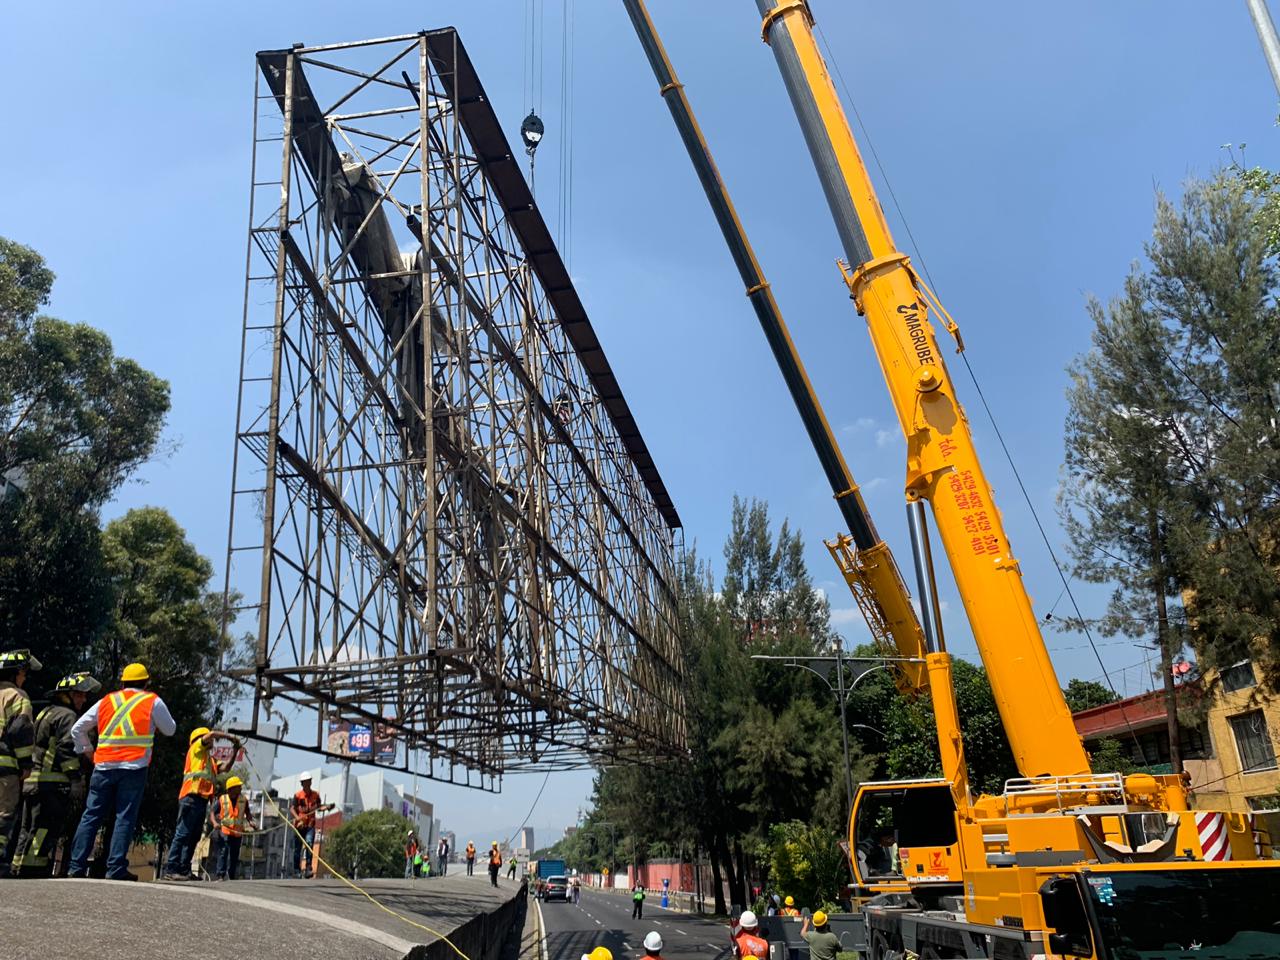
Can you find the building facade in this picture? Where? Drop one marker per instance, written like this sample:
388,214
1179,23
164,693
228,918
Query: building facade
1229,750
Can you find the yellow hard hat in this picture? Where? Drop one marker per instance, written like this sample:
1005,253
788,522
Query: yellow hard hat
197,733
234,782
819,918
495,843
134,671
790,901
601,953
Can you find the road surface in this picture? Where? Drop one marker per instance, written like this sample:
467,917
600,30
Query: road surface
604,919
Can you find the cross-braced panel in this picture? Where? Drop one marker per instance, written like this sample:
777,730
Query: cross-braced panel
455,526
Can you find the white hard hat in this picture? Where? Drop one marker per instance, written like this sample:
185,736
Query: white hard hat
653,940
748,919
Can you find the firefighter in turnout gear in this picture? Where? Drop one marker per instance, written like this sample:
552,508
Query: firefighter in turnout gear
17,736
56,780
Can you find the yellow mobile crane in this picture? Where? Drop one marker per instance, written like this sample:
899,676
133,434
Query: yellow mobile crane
1064,862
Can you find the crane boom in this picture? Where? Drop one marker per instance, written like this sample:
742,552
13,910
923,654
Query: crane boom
865,559
943,467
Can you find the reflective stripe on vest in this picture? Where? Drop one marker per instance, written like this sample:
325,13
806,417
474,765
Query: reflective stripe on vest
197,777
47,773
229,817
124,733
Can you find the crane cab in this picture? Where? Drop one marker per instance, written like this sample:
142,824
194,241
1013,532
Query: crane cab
904,835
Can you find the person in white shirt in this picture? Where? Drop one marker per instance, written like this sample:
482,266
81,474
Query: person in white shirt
127,721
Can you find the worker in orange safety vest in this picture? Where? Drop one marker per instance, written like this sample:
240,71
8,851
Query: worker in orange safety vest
745,934
127,722
471,858
231,820
199,784
303,809
789,908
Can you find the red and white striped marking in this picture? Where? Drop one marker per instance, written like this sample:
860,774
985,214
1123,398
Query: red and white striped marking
1214,842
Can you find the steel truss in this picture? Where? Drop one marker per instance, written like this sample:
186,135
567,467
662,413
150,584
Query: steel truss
453,522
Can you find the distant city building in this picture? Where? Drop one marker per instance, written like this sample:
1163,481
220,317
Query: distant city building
526,839
570,831
353,794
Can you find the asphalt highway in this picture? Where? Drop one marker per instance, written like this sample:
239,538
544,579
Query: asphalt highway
604,919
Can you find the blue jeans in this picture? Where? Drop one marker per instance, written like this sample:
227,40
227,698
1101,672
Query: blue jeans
110,791
228,854
299,851
191,811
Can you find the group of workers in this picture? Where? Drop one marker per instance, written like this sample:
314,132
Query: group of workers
61,781
67,772
816,931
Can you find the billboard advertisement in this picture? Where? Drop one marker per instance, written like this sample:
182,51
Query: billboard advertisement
362,742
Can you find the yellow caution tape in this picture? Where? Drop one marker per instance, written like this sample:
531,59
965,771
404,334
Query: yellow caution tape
316,858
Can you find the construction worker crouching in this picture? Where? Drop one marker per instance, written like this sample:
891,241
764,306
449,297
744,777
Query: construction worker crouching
199,784
56,774
745,934
127,721
231,820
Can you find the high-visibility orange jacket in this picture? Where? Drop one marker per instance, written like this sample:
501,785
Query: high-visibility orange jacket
198,773
790,912
471,851
233,815
305,804
124,726
495,858
747,945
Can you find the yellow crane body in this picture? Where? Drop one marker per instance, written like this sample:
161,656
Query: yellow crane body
1063,862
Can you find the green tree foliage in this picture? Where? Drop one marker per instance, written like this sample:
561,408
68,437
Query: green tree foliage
1109,757
75,420
1086,694
1172,456
164,616
806,863
907,737
764,738
370,844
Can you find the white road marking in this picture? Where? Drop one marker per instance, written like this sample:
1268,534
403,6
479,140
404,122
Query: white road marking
597,923
681,932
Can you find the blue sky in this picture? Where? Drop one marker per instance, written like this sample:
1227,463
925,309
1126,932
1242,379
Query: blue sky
1024,141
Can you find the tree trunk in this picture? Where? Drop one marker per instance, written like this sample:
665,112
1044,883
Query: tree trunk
731,875
1165,639
717,881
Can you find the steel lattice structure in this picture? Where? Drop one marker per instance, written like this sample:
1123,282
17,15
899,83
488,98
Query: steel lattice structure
457,526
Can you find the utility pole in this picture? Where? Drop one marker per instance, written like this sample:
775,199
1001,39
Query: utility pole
1266,28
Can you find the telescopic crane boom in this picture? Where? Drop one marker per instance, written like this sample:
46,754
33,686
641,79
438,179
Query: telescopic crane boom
1063,862
943,468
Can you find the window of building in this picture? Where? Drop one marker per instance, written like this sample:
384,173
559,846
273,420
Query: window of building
1253,741
1238,676
1196,744
1268,804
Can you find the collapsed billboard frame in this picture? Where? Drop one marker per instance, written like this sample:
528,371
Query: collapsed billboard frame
452,525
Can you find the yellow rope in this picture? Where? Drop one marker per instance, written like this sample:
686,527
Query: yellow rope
316,858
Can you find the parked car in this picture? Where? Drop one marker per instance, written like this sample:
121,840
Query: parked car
556,888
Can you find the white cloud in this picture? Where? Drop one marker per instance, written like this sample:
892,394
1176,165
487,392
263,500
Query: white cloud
843,616
873,483
861,425
885,438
